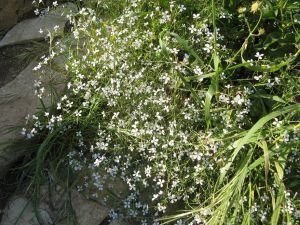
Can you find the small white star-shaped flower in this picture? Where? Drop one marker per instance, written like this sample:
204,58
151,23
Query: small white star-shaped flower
259,56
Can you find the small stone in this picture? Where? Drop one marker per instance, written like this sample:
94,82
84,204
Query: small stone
87,211
20,211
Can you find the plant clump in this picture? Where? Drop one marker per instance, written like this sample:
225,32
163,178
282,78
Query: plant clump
193,104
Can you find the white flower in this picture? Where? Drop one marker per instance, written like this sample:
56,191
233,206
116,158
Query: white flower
161,207
36,12
198,71
64,98
59,118
270,84
98,161
196,16
23,132
87,95
78,113
182,8
259,77
160,182
277,122
148,171
195,155
37,67
238,100
259,56
207,212
208,48
55,28
192,29
55,4
198,219
223,98
127,204
137,175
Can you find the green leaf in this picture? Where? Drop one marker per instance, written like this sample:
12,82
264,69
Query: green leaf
268,11
257,126
270,97
213,88
247,218
279,170
279,200
162,43
208,98
200,77
271,39
272,68
264,146
185,45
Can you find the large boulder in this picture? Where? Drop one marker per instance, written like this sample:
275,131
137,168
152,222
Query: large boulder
38,28
11,11
17,99
11,65
87,211
20,211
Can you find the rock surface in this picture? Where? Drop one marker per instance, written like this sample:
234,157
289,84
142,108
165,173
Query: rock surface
118,222
87,211
17,99
11,11
30,29
20,211
11,65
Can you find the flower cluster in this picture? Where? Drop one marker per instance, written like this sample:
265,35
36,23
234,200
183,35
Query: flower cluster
135,106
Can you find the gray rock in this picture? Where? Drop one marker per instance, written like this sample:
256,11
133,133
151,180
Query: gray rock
17,100
87,211
64,9
20,211
29,30
11,11
118,222
112,187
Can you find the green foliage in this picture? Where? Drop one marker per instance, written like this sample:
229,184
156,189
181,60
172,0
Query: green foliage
194,102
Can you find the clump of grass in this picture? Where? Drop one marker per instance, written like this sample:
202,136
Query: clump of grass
195,105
